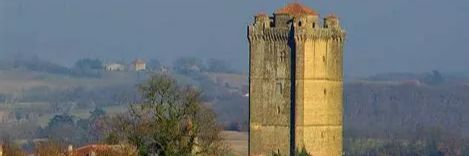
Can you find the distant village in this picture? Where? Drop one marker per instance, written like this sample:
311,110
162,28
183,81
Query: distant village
136,65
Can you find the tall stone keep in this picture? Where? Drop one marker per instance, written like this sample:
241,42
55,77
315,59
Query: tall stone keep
296,85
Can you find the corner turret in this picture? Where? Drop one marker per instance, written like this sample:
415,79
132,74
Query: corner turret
331,21
296,15
262,20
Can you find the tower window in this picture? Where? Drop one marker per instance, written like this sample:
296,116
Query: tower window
283,56
279,87
300,23
323,58
325,92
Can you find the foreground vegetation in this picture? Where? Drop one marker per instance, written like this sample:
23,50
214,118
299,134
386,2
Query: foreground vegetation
170,120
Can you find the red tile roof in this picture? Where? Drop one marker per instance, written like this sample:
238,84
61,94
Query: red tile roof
139,61
296,8
86,150
96,148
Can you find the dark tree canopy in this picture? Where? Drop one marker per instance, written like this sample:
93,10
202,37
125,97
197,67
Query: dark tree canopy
89,64
187,65
219,66
63,129
435,78
154,65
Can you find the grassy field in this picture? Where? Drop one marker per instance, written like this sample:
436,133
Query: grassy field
233,80
237,141
82,113
11,81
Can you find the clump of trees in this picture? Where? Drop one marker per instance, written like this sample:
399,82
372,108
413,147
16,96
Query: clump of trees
170,120
435,78
219,66
188,65
87,68
89,64
83,68
428,141
34,63
66,129
154,65
192,65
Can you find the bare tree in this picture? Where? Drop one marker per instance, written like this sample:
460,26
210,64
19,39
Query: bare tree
170,120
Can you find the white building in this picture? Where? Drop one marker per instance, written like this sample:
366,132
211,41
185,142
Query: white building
115,67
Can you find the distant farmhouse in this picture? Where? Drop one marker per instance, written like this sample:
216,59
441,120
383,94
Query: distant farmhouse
114,67
138,65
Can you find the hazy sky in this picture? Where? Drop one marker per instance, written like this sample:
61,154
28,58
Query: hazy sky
383,35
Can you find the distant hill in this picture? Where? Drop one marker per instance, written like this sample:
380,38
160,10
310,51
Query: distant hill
397,109
380,106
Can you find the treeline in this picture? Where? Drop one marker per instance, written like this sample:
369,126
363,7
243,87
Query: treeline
188,65
82,68
406,119
93,67
432,78
32,63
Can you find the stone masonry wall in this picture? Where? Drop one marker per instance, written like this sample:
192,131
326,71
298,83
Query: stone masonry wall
270,96
309,113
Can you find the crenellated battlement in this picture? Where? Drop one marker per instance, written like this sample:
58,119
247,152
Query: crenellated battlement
299,33
333,34
262,21
305,26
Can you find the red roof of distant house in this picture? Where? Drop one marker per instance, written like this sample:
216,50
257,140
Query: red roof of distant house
85,150
96,148
139,61
296,9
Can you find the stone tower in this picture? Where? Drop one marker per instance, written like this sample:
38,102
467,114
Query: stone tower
295,83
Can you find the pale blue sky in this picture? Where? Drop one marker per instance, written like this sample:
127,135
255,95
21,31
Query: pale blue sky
383,35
